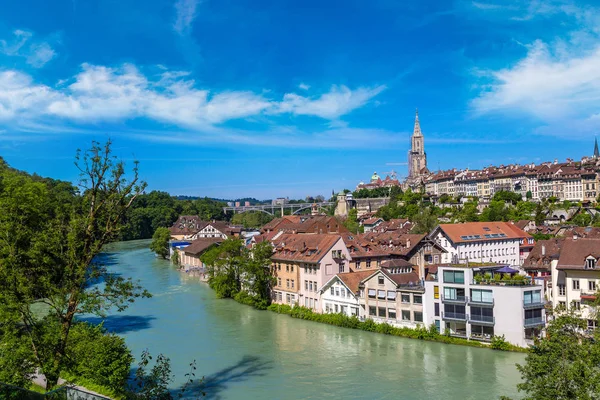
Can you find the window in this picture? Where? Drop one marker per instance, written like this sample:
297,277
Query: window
576,305
380,280
287,268
436,309
437,325
436,292
343,292
561,290
590,263
278,267
287,298
592,286
372,293
562,304
405,315
391,295
451,293
575,284
454,277
310,286
357,264
391,313
327,309
311,303
292,283
405,298
354,311
532,297
417,299
382,313
315,286
280,296
381,294
306,302
369,266
342,268
278,281
592,324
418,316
306,285
372,310
482,296
337,291
292,268
332,291
287,283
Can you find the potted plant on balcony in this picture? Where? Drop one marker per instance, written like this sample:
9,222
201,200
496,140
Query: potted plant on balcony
487,277
478,278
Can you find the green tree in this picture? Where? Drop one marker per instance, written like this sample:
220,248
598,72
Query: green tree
351,222
160,242
48,256
496,211
425,221
564,365
540,216
258,274
226,264
529,195
582,219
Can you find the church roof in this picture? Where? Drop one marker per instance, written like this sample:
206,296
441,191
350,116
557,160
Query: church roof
417,129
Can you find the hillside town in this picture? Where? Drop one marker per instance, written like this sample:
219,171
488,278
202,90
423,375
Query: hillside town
571,180
471,280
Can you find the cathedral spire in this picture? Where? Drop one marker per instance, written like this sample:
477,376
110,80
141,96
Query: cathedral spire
417,129
596,152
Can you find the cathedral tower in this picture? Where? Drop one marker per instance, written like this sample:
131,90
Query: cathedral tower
417,158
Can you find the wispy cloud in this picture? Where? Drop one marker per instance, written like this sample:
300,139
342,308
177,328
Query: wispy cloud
304,86
185,13
118,94
557,82
36,53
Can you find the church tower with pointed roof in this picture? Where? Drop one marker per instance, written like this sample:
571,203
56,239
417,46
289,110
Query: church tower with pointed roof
596,152
417,158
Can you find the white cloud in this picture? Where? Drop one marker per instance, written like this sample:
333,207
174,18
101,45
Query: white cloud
100,93
36,53
185,13
40,54
304,86
545,86
338,101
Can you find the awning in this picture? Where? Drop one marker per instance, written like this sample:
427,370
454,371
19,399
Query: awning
506,270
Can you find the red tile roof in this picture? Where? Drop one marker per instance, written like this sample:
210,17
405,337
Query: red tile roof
199,246
456,232
305,248
353,279
575,251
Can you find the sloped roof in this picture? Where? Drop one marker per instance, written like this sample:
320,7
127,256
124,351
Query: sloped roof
574,252
199,246
353,279
542,254
458,232
307,248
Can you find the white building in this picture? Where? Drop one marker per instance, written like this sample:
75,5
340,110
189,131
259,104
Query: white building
341,294
465,303
496,242
576,276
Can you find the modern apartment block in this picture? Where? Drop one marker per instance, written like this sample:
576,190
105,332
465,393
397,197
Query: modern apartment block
473,303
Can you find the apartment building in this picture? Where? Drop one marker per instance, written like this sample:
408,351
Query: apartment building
497,242
302,263
473,303
393,296
576,276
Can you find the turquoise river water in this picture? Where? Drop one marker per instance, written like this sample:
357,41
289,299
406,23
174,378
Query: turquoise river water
248,354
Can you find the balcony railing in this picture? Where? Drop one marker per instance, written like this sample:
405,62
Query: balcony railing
529,322
482,319
534,304
482,337
455,300
454,316
481,303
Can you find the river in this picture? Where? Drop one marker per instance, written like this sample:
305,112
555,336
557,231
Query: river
248,354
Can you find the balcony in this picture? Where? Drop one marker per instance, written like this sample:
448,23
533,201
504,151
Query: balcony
450,316
480,303
455,300
482,319
482,337
536,321
534,304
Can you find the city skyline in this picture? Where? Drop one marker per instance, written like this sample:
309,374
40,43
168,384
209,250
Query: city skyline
268,100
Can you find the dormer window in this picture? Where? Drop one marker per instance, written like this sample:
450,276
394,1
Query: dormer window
590,263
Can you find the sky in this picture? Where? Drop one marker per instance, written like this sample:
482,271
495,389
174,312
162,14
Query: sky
268,99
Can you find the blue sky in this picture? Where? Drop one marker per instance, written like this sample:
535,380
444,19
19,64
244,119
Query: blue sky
278,98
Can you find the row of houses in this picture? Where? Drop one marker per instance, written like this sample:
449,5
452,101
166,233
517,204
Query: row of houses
573,181
474,280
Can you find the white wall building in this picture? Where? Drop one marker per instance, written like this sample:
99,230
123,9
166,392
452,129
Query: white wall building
496,242
477,310
341,294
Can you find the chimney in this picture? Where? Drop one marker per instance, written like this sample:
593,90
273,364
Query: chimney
407,243
574,235
543,249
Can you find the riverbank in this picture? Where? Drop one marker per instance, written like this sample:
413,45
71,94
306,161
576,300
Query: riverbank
368,325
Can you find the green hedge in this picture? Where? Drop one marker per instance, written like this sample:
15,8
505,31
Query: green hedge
421,332
249,300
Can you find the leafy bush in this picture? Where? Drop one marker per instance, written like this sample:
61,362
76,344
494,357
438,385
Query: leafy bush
500,343
100,357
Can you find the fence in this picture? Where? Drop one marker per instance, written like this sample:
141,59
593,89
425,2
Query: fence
10,392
